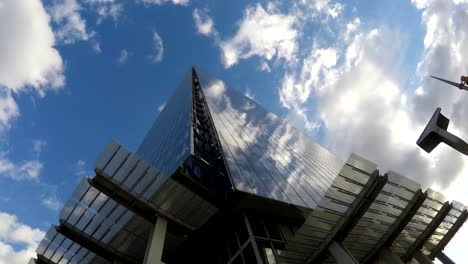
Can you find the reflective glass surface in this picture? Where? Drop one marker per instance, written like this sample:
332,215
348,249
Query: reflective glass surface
167,143
59,249
376,225
444,227
265,155
323,222
419,222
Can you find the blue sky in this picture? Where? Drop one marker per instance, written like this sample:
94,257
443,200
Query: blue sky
351,74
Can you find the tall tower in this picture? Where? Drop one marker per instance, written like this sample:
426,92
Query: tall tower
219,179
238,140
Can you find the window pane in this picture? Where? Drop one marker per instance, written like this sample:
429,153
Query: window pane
270,257
249,255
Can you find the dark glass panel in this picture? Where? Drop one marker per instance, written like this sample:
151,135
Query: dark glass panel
167,143
249,255
258,228
273,231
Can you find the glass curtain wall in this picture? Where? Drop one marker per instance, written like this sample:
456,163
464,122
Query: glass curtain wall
167,143
265,155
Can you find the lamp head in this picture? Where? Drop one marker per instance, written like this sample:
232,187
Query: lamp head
430,137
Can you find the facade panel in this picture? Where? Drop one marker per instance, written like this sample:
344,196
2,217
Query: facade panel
420,221
265,155
167,143
323,223
381,215
444,227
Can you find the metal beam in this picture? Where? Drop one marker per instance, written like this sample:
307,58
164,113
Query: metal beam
444,258
426,234
43,260
365,203
352,216
421,258
446,239
387,240
92,244
341,255
149,212
389,257
252,239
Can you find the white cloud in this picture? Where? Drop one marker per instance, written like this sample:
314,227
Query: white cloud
444,52
106,8
249,94
96,45
360,98
161,107
262,33
38,146
110,11
316,68
8,109
158,48
71,27
323,7
123,57
28,56
362,109
296,88
264,66
351,28
323,11
203,22
14,235
80,169
52,203
420,4
444,55
160,2
24,170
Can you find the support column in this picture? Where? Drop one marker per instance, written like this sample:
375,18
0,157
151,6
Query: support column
154,249
389,257
446,239
426,234
444,258
421,258
341,255
252,240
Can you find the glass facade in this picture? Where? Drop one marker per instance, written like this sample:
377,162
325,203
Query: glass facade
168,143
444,227
265,155
323,223
419,222
379,219
99,217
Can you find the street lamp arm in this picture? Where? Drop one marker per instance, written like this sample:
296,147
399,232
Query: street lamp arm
452,140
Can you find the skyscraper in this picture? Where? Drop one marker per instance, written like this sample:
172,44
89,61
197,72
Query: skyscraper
219,179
